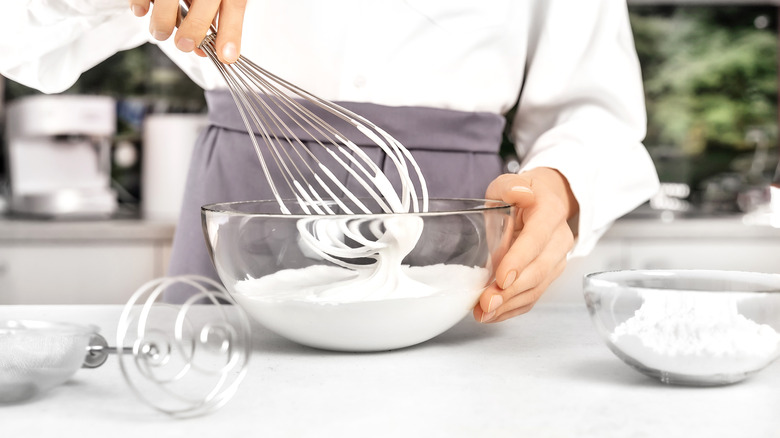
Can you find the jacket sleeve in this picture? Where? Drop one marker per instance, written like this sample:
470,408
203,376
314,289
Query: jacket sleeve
581,111
55,41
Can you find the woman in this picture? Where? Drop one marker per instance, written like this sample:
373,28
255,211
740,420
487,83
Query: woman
454,68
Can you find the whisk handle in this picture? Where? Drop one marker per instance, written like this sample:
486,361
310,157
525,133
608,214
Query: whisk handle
98,351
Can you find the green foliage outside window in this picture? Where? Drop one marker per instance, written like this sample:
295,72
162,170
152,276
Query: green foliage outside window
710,75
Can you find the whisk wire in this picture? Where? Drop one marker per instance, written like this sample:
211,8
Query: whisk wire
264,115
352,152
237,97
241,92
268,106
297,112
394,150
390,145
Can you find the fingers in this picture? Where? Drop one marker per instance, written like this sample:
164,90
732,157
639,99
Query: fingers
512,189
542,241
193,28
497,305
163,20
541,214
541,223
480,316
139,7
534,260
196,24
522,301
231,21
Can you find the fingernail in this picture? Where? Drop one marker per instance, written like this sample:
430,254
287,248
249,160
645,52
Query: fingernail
138,10
229,53
521,189
510,278
495,301
160,35
185,45
487,316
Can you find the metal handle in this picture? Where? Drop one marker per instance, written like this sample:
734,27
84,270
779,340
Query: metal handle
98,351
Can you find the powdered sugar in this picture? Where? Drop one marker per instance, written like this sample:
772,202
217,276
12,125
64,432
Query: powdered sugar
696,334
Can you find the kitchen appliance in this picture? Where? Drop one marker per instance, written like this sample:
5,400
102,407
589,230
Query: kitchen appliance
58,156
168,140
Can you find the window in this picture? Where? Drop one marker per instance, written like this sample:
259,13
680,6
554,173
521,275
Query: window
710,75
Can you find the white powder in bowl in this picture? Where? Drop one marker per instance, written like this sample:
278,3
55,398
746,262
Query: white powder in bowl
696,334
380,306
338,309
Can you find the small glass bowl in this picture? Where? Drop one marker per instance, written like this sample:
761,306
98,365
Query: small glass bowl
36,356
688,327
342,281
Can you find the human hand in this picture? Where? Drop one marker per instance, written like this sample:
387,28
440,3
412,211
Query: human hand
193,29
542,239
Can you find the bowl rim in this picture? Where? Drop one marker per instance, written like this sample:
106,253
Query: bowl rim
595,278
223,208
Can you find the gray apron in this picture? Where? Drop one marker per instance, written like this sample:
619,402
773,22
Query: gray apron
456,151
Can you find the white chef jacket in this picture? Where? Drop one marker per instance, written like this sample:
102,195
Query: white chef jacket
581,110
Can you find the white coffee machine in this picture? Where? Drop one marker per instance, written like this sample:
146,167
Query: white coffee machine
58,156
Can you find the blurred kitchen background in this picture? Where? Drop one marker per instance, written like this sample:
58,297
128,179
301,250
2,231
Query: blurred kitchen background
711,82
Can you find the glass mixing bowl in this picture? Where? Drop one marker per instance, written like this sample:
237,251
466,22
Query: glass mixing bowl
36,356
358,282
697,327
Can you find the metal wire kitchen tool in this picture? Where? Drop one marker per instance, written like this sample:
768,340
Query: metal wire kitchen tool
199,368
273,107
182,360
276,109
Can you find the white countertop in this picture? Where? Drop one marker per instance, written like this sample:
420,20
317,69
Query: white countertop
30,230
544,374
729,227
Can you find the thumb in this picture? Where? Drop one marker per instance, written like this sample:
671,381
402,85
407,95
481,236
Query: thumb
512,189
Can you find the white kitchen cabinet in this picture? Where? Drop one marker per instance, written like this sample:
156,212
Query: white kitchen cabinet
99,262
734,253
93,273
716,243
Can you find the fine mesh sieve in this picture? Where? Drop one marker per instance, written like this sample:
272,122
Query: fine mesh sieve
36,356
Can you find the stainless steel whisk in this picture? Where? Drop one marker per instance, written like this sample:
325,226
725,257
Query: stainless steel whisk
274,107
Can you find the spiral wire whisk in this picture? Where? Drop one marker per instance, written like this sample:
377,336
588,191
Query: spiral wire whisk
184,360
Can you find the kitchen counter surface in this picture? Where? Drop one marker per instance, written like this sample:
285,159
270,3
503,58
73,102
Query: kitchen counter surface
28,230
727,226
545,374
